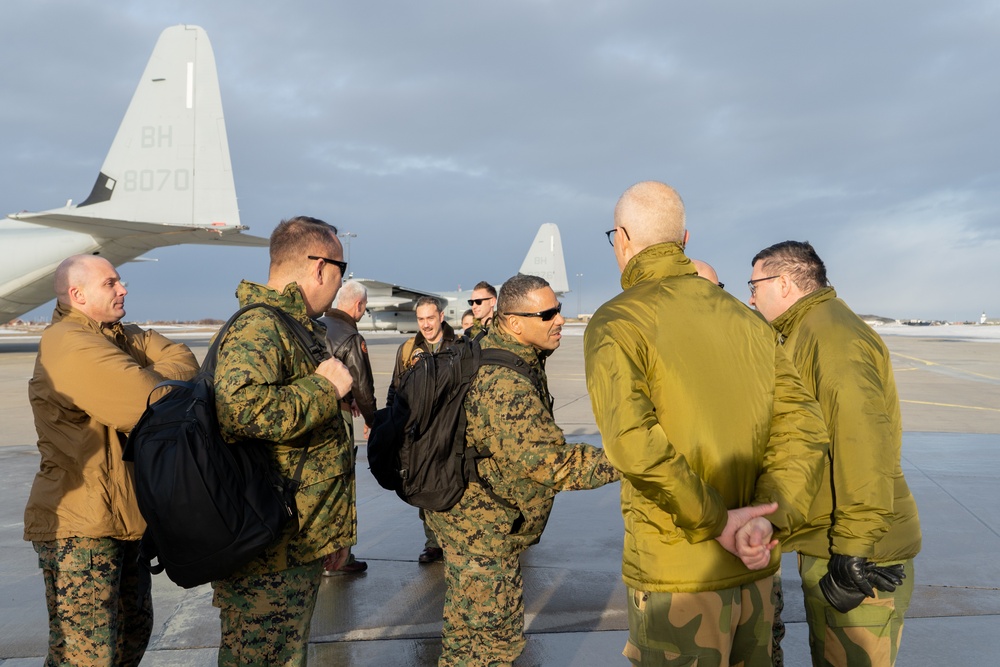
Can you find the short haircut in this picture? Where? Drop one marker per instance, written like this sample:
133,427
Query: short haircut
299,236
515,290
482,284
429,301
468,313
350,292
796,258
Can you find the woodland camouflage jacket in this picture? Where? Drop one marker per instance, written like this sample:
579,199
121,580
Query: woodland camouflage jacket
266,389
530,460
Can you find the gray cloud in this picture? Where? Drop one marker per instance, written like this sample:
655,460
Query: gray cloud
444,133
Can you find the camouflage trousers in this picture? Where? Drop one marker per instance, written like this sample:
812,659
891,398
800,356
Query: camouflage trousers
265,617
483,610
720,628
866,636
430,539
99,603
778,628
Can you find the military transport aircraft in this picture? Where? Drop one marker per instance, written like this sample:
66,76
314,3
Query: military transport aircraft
391,307
167,180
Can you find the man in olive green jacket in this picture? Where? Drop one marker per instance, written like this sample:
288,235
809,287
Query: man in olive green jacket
704,415
510,419
863,530
268,388
92,378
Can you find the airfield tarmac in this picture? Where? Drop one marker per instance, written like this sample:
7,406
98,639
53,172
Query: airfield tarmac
390,616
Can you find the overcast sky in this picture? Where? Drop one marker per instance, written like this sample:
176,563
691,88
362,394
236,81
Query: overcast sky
444,133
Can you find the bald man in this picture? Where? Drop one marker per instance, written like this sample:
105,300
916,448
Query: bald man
92,378
711,428
706,271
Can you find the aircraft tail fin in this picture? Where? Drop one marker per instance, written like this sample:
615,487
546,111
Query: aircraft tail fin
169,162
545,258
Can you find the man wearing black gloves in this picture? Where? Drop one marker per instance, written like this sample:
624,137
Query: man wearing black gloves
857,550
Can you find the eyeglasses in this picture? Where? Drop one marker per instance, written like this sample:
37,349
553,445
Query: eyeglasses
753,283
336,262
611,235
545,315
476,302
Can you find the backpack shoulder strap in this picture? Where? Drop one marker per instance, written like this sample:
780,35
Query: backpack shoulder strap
300,334
303,336
507,359
408,346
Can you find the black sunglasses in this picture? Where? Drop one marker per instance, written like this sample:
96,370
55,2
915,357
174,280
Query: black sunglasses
476,302
545,315
336,262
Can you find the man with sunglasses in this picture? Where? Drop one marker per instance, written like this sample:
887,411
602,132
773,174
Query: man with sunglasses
856,552
435,335
527,462
482,301
267,387
712,429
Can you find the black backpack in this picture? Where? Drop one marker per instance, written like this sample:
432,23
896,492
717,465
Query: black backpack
417,445
210,507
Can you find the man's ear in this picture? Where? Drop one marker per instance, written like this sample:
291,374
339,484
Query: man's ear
76,295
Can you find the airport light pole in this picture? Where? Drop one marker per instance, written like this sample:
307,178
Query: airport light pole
579,292
348,236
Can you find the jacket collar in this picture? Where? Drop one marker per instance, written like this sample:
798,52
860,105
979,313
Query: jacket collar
114,332
663,260
786,323
498,338
447,336
289,299
341,316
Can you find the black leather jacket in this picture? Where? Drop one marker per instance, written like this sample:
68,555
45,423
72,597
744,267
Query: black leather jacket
347,345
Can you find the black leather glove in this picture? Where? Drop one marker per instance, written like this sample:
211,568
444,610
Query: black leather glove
885,578
845,584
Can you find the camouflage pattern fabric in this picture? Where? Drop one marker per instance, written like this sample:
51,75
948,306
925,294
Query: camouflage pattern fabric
483,610
99,603
266,389
485,532
778,627
867,636
266,617
712,629
430,539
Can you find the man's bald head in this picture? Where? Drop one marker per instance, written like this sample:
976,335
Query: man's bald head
75,271
705,270
91,284
651,213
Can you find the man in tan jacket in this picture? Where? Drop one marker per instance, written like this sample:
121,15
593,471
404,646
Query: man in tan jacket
92,378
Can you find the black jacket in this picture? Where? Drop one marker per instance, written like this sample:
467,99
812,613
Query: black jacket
412,349
346,344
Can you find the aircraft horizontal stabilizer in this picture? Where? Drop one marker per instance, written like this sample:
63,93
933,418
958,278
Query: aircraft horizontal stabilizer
105,229
167,180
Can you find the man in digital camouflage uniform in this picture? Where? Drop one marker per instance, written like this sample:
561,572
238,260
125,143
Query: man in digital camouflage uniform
92,379
707,420
269,388
530,461
856,551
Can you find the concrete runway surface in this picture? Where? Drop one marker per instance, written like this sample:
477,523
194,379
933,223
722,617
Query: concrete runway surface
575,600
